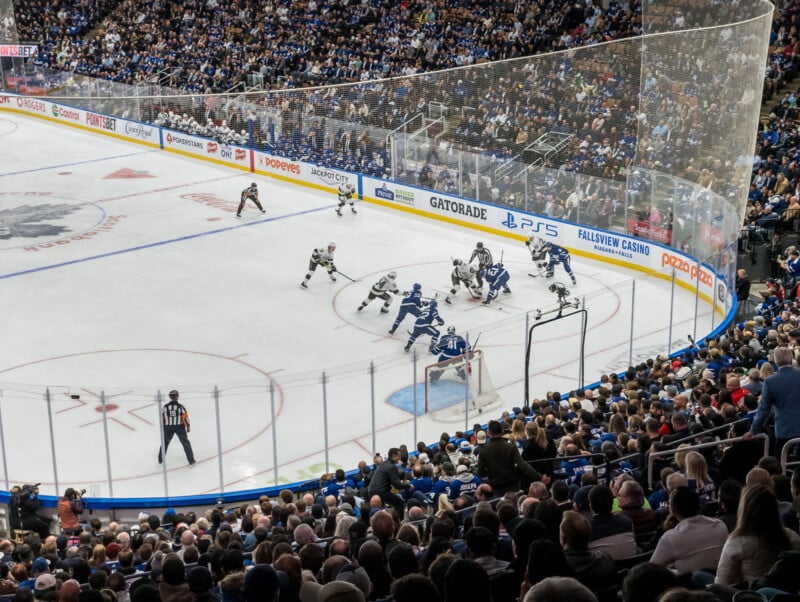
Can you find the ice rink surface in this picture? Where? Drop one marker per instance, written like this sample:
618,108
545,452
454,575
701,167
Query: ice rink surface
123,270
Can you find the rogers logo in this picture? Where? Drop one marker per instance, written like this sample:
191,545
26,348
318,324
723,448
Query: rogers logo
212,147
281,165
30,103
668,260
239,154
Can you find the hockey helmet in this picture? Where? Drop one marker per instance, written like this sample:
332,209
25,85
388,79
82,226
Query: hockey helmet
331,246
498,265
391,275
417,286
456,262
173,395
433,303
451,330
479,245
253,185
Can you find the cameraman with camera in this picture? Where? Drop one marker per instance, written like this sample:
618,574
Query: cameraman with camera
28,500
70,507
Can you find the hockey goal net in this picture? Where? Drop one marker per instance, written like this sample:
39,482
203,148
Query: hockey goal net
457,387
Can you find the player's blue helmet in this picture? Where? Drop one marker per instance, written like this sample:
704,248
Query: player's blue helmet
417,286
433,303
451,330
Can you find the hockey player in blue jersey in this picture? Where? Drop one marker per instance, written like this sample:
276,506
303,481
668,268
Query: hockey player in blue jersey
424,325
497,277
411,304
558,255
449,346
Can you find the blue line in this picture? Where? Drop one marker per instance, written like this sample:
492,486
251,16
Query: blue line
161,243
16,173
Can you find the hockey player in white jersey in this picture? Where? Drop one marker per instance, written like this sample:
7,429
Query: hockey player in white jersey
323,257
381,290
538,249
463,273
346,190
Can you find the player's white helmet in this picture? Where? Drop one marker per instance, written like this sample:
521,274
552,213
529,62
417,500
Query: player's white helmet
331,246
391,275
451,330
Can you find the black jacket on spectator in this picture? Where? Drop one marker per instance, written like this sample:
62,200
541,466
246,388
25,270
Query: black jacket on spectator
501,464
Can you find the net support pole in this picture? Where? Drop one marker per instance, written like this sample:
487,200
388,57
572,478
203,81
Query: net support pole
372,403
414,390
466,387
526,401
275,462
3,444
633,313
219,440
160,402
671,312
325,419
49,401
108,448
696,301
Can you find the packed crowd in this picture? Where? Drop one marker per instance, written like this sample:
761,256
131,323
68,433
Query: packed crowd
567,499
212,46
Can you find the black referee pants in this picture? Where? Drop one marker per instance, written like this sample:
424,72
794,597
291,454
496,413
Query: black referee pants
180,431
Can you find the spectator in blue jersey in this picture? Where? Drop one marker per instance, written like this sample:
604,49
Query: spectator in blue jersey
336,487
465,483
575,467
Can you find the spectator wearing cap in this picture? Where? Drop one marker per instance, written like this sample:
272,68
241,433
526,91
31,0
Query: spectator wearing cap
335,591
779,393
46,587
39,566
465,483
501,464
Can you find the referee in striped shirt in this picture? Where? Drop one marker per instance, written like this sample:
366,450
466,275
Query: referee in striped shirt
175,421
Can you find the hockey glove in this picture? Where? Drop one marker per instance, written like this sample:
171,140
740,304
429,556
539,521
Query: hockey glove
333,268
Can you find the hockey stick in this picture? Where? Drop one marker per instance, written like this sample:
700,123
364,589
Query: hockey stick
346,276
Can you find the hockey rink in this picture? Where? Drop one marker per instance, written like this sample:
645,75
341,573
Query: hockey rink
123,271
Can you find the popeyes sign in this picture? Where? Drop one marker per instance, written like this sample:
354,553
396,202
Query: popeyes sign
680,264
